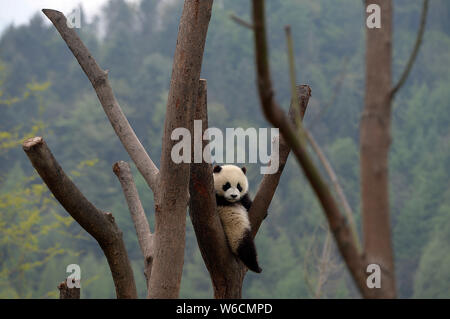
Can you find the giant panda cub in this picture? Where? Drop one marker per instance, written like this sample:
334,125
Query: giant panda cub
233,203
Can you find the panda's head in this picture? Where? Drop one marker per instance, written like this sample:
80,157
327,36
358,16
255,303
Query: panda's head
230,182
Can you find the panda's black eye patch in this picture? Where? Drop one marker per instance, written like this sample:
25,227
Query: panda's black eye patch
239,187
226,186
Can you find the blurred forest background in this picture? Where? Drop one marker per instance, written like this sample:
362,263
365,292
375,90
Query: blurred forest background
44,92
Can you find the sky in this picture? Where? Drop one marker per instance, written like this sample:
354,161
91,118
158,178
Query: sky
20,11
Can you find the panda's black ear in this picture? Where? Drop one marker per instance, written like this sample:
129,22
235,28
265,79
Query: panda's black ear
217,169
244,169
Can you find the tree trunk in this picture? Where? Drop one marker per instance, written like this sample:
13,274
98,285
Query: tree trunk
375,140
172,198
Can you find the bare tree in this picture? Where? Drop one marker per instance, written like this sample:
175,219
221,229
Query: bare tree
374,148
275,115
164,250
177,186
375,141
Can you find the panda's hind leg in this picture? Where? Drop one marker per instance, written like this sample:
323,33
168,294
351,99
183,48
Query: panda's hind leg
247,252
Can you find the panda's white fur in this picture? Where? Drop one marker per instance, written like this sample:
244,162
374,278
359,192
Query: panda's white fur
235,223
233,202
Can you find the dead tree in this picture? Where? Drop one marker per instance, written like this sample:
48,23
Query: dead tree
275,115
375,140
177,186
163,250
374,149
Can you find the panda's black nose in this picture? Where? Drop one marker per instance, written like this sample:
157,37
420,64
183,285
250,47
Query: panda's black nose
234,195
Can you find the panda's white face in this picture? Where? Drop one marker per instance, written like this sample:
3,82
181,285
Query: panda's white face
230,182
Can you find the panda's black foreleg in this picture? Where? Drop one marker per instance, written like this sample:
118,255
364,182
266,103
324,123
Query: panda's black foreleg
246,202
247,252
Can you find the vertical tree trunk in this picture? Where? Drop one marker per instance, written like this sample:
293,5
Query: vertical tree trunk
172,197
375,141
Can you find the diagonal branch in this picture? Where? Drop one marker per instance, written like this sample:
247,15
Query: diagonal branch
100,83
269,182
145,237
98,224
240,21
337,186
415,51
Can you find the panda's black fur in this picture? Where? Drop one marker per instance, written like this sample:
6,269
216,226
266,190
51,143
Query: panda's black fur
233,204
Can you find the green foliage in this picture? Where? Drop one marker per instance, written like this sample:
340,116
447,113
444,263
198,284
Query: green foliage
432,277
27,220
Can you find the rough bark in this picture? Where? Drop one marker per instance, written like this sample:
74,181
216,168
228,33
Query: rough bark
172,199
100,83
144,235
375,140
98,224
68,293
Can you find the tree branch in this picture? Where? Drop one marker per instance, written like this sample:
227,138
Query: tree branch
145,237
241,21
339,191
415,51
172,200
98,224
100,83
277,118
269,182
324,265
